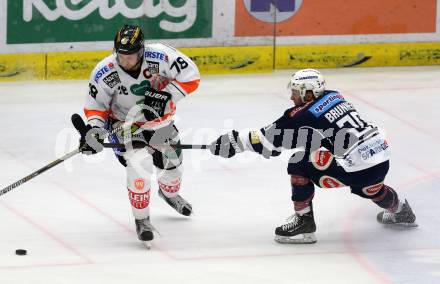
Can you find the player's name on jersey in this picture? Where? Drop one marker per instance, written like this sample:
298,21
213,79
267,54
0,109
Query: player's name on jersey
338,111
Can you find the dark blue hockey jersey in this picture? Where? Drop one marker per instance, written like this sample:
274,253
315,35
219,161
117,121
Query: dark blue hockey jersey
329,121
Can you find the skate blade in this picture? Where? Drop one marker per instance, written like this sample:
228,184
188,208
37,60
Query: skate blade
308,238
401,225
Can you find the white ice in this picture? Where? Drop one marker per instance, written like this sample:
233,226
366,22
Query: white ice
75,220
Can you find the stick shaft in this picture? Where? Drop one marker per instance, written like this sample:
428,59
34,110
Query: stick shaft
76,151
38,172
175,146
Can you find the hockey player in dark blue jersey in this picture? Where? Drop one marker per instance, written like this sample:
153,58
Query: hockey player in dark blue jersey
334,146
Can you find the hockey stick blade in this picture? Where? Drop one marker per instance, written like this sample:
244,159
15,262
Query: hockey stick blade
79,124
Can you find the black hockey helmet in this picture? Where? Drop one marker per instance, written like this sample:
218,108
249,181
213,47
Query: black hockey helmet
129,39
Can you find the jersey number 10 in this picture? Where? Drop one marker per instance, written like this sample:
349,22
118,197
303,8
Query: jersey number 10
358,126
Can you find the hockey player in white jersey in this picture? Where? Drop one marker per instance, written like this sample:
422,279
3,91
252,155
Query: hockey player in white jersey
134,93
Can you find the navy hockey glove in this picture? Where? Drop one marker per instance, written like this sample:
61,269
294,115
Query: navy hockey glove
91,142
155,103
227,145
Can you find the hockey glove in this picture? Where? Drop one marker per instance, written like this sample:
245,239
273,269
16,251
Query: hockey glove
91,141
155,103
227,145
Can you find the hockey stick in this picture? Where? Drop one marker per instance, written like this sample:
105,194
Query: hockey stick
156,147
79,124
47,167
38,172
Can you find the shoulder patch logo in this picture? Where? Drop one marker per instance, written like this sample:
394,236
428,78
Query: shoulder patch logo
103,70
156,55
325,103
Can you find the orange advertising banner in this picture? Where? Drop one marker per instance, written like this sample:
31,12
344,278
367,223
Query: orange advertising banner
334,17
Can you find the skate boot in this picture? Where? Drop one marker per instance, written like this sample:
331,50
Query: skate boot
405,217
144,230
178,203
299,230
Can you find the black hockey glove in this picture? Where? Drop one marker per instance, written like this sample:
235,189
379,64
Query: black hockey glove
155,103
227,145
91,141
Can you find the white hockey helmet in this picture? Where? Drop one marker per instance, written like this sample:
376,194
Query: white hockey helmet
305,80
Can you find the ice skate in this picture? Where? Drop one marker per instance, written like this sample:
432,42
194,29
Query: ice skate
178,203
299,230
405,217
144,231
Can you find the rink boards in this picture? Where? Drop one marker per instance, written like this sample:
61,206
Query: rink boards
230,60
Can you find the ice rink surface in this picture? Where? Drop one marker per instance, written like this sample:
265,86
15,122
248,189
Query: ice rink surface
76,223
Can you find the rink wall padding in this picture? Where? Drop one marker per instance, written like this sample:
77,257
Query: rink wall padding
29,66
231,60
73,65
361,55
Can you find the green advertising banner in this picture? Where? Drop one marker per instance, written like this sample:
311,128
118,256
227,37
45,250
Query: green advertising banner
45,21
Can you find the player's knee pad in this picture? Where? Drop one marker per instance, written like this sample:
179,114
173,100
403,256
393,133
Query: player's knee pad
298,164
302,188
168,159
139,162
303,191
169,181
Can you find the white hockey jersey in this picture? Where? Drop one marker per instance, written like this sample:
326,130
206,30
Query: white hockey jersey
113,92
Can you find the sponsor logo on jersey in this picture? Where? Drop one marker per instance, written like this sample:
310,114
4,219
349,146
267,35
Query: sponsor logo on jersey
172,188
329,182
153,67
156,95
140,89
321,160
112,79
368,150
156,55
103,70
326,103
139,200
139,183
372,189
